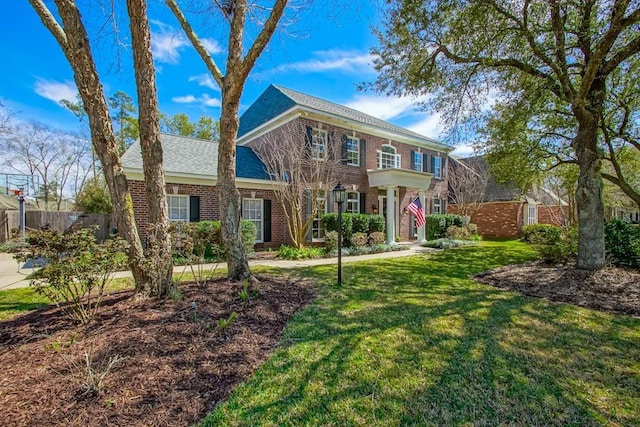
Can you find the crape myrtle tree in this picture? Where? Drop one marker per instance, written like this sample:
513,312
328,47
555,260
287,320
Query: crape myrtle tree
152,271
295,169
241,57
546,64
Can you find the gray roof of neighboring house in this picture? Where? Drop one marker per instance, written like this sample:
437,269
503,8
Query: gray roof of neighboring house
183,155
496,192
275,100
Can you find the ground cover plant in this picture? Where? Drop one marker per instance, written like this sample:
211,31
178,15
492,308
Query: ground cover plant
418,342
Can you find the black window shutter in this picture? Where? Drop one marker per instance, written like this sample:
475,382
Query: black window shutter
344,149
194,208
363,203
266,227
307,212
425,162
308,138
363,153
413,160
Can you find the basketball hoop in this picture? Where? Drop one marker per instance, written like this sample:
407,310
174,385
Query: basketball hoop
16,192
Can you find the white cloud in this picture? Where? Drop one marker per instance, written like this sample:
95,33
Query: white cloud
463,150
331,60
205,80
167,42
212,46
384,107
56,91
204,100
429,126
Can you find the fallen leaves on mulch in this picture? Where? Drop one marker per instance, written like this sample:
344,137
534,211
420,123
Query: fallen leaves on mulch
178,363
613,290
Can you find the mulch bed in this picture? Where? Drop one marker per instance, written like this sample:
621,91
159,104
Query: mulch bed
178,363
612,290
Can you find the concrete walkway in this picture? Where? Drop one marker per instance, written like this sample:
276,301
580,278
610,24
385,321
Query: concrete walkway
13,276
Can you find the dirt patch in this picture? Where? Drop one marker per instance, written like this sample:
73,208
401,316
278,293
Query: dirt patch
613,290
178,363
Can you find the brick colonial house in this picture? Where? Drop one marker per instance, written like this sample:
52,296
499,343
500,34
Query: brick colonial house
504,209
383,167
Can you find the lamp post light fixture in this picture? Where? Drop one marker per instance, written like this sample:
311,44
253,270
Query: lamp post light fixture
339,195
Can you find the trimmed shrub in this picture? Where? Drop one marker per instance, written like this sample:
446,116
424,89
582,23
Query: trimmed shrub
622,243
541,233
437,224
330,223
360,223
556,248
376,224
359,239
458,233
446,243
376,238
330,241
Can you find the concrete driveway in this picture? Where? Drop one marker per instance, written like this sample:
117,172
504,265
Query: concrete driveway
11,275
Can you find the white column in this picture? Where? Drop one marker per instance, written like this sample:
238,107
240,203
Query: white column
421,230
391,215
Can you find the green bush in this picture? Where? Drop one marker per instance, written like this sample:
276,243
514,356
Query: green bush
458,233
330,241
330,223
249,233
77,268
437,224
360,223
359,240
377,238
622,243
293,253
376,224
556,248
541,233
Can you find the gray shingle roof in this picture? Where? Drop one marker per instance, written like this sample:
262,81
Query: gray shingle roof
182,155
275,100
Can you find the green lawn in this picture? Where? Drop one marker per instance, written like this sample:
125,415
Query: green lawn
413,341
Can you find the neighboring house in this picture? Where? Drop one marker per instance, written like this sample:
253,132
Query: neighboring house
503,210
383,167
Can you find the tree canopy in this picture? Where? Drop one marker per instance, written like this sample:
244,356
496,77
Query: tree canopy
536,74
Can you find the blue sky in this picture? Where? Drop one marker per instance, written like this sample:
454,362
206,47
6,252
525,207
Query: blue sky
323,51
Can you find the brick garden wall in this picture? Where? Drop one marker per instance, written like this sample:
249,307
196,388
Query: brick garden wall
496,219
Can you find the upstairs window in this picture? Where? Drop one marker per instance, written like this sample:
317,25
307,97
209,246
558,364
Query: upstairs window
417,161
319,144
437,167
353,151
387,157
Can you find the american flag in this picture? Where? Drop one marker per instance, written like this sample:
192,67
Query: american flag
415,208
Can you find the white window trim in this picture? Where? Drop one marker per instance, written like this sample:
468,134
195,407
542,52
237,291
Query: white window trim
397,157
178,196
439,205
357,151
261,220
417,160
355,202
322,196
321,135
437,170
531,220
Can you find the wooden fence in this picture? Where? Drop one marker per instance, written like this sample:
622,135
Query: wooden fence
60,221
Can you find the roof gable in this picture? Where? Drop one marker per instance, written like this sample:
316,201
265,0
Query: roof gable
276,100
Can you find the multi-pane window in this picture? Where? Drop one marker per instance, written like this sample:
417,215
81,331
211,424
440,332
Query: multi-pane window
252,210
436,207
178,208
353,202
317,231
437,167
353,151
417,161
387,157
319,144
532,214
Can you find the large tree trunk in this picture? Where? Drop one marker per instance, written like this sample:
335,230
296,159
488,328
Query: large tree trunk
159,252
228,194
589,200
74,42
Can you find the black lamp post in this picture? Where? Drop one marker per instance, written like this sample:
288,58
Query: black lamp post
339,195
